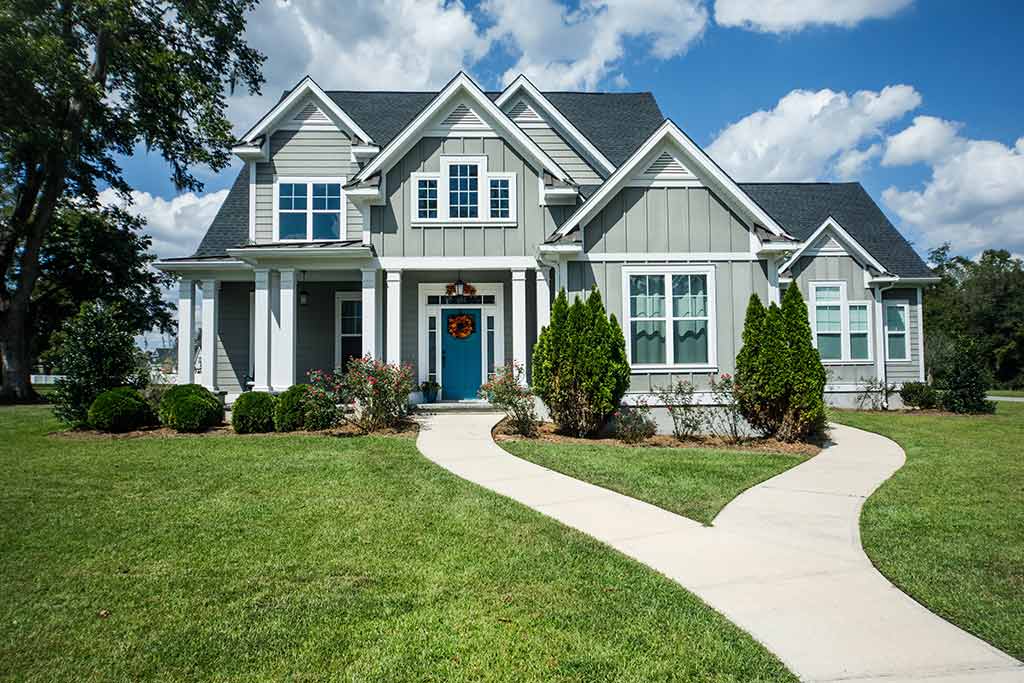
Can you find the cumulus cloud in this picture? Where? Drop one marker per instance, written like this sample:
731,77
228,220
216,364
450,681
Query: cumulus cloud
176,225
851,162
781,16
571,48
974,197
811,134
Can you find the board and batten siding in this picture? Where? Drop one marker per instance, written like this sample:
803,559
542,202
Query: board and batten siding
735,281
665,219
304,153
393,234
556,147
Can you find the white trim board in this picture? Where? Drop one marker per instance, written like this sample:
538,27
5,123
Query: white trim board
832,224
307,86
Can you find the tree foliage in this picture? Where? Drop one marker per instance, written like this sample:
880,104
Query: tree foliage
805,410
86,81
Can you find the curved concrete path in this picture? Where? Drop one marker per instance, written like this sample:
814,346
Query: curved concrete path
783,560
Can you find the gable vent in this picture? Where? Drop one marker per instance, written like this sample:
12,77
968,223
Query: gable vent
521,112
462,116
311,113
668,165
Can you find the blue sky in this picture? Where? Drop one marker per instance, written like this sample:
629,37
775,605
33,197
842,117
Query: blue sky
920,100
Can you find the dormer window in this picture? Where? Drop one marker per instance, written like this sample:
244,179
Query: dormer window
309,209
464,191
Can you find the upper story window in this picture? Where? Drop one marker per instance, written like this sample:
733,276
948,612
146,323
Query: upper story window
897,315
670,316
308,209
842,328
464,191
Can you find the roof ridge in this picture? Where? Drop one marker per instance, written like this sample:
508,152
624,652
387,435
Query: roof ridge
800,182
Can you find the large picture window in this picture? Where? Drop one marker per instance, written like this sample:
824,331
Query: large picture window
309,209
670,316
842,328
463,191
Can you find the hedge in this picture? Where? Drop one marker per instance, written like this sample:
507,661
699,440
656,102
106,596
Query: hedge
120,410
253,413
190,408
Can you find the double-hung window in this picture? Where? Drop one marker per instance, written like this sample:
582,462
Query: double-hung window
309,209
670,316
842,328
463,191
897,317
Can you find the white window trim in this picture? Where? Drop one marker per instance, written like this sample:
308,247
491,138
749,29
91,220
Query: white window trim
905,305
339,297
426,310
483,189
309,181
667,271
844,316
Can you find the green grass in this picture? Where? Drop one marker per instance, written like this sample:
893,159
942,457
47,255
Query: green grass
948,528
316,558
693,482
1006,392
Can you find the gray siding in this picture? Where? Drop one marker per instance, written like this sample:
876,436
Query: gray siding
393,234
660,219
233,336
734,282
303,153
906,371
549,140
314,332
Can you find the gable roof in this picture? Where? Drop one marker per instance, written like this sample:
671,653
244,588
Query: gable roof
306,87
803,207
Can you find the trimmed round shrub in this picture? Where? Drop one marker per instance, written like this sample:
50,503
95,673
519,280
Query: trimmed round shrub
919,395
119,410
319,411
289,413
190,408
253,413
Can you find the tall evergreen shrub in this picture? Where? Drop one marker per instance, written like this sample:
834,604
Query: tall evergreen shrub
805,413
748,380
967,379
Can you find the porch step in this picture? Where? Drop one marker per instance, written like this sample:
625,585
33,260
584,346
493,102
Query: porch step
455,407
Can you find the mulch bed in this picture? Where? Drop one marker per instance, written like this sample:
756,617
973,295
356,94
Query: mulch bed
408,429
503,432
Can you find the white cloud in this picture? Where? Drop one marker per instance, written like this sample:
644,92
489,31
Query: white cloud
563,48
810,134
176,225
927,139
975,195
780,16
851,162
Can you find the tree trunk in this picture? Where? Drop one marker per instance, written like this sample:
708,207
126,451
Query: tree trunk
15,358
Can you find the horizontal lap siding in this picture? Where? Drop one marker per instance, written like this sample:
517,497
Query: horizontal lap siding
392,232
303,153
906,371
233,336
555,146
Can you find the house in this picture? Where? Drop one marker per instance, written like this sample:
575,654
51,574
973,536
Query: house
433,228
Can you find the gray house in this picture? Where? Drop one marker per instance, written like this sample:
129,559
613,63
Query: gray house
433,228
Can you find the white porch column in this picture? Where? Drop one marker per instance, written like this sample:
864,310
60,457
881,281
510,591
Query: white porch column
211,300
879,335
774,292
261,328
282,350
394,322
519,317
543,299
186,330
370,313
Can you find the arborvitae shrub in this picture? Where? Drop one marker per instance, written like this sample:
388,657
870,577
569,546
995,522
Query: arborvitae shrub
253,413
805,413
747,385
120,410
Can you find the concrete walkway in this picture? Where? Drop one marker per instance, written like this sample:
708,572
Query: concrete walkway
783,560
1011,399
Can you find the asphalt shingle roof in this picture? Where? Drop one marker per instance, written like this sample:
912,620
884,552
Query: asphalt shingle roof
230,227
801,208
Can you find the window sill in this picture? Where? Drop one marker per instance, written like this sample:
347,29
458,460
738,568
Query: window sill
899,360
848,362
662,369
465,222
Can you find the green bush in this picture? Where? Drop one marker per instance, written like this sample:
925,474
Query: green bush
967,379
919,395
579,365
190,408
319,411
289,412
678,399
508,391
633,424
120,410
95,351
805,410
253,413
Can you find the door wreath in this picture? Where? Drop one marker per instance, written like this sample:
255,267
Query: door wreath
460,326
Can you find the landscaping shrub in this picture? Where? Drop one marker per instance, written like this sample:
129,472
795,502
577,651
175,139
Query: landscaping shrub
579,365
805,413
633,424
919,395
289,413
120,410
190,408
967,380
725,419
94,351
153,394
253,413
319,411
687,417
874,394
507,390
380,393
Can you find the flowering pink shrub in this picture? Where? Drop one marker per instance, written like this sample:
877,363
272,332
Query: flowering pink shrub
378,391
507,390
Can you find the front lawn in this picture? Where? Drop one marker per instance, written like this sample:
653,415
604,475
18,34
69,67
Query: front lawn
693,482
948,528
1007,392
316,558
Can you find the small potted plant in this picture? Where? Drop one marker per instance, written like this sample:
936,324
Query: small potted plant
430,389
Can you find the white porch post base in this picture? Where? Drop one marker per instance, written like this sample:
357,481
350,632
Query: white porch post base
394,328
370,313
211,300
186,331
519,318
261,327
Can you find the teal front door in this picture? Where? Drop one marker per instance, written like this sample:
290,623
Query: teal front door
460,353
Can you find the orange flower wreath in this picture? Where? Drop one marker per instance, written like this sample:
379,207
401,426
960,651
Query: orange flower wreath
460,326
